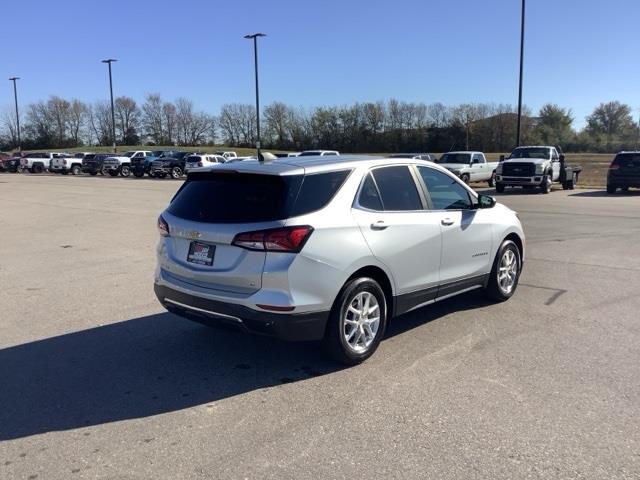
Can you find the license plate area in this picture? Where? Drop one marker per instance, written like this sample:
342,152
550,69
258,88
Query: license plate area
201,253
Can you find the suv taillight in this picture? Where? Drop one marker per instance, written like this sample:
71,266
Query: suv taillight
163,227
285,239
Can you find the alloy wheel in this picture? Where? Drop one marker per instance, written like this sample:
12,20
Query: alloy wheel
361,322
508,271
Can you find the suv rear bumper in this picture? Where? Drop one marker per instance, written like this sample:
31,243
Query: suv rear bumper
286,326
623,181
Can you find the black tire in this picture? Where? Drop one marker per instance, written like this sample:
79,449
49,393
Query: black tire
611,189
574,181
93,174
176,172
104,171
161,175
125,170
500,187
76,170
113,173
492,180
465,178
545,185
334,340
65,172
565,185
493,289
624,189
38,169
138,174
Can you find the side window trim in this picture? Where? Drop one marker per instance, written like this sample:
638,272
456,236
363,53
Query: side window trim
472,199
356,203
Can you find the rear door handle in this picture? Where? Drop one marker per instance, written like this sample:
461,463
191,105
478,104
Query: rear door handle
447,222
379,225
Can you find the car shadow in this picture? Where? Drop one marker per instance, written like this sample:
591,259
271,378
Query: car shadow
603,193
157,364
139,368
422,316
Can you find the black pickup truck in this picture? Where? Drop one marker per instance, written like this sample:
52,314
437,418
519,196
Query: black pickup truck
171,165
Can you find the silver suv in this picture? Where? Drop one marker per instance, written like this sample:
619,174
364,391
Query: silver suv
330,248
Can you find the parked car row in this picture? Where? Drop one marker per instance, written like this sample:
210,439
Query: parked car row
528,167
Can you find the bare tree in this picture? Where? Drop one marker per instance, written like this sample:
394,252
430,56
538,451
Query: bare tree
169,120
100,122
76,120
127,119
152,118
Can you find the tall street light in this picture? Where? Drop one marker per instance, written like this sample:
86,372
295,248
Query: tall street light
255,59
521,64
15,97
109,61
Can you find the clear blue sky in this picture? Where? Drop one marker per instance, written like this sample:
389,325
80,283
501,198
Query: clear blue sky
578,52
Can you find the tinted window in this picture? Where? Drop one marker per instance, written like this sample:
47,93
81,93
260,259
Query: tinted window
214,197
445,192
463,158
478,158
194,158
627,160
369,196
397,188
531,152
311,153
317,190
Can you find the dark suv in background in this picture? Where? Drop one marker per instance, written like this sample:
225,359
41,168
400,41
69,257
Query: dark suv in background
624,172
92,162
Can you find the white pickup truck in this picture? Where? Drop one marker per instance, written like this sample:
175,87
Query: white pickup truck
470,166
39,162
68,164
536,167
121,164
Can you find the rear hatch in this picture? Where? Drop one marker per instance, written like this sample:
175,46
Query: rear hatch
207,213
626,165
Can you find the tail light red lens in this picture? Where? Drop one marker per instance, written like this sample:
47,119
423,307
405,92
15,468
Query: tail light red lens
163,227
614,166
286,239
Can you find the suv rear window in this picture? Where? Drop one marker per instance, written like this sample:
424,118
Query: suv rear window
229,197
631,160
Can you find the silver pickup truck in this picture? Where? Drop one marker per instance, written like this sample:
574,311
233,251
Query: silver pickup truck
470,166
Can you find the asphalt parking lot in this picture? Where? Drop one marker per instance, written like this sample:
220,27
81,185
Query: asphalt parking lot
96,381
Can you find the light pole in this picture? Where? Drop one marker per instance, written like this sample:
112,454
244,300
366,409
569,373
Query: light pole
15,97
255,59
521,64
109,61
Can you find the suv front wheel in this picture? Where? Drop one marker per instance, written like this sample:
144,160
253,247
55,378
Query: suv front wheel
357,321
505,274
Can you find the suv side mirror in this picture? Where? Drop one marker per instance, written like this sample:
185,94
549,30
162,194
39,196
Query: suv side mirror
486,201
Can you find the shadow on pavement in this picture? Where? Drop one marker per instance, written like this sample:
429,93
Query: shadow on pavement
139,368
156,364
603,193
